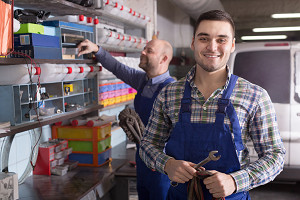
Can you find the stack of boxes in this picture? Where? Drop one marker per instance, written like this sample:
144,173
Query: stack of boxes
71,35
37,41
113,92
91,146
51,157
51,40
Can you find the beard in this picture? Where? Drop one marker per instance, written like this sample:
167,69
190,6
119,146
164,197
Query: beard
208,66
144,63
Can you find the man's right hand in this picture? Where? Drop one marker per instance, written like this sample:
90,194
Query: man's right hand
179,171
87,46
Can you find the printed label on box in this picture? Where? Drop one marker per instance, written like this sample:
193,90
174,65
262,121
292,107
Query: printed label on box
24,39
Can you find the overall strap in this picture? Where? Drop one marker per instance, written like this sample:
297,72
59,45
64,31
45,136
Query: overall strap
186,101
163,84
225,107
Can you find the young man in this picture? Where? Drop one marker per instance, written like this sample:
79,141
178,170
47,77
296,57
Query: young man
154,60
212,109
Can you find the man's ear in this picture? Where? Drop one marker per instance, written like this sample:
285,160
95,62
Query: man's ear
164,59
192,44
233,46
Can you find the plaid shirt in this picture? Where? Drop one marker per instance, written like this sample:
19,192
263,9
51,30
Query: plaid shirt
256,116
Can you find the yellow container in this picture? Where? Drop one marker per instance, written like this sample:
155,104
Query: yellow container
81,132
123,98
111,101
68,87
104,102
118,99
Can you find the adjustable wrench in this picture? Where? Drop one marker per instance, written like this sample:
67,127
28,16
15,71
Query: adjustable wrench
210,157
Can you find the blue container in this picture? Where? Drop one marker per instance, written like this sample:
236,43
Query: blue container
33,39
87,158
50,30
68,25
38,52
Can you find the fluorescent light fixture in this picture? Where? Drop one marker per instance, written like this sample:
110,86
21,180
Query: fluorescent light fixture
264,37
277,29
286,15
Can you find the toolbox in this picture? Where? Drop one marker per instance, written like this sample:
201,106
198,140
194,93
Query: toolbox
34,39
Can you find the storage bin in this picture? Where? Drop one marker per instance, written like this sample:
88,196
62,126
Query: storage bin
81,132
52,31
31,28
90,145
34,39
38,52
87,146
90,159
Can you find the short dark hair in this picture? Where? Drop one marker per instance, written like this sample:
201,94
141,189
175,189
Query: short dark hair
215,15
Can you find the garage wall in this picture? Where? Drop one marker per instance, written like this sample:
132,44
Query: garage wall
173,24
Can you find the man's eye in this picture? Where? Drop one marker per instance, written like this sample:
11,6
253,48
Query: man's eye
222,40
203,39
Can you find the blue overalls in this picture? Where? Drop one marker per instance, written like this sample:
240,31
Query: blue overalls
151,185
193,141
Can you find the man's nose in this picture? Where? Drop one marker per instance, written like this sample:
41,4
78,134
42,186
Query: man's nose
212,45
143,52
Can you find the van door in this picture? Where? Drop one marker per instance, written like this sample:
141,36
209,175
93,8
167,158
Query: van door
295,114
271,70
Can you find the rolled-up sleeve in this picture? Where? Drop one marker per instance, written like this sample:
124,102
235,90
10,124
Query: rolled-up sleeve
155,136
131,76
267,142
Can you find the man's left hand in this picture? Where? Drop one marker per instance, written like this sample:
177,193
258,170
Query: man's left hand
220,184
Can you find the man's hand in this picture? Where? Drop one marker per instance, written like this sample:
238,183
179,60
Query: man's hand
179,171
87,46
220,184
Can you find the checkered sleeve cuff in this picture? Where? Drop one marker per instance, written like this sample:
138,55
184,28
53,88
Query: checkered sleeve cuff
241,178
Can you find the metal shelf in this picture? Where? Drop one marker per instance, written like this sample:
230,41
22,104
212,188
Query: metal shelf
63,7
60,117
50,120
57,7
15,61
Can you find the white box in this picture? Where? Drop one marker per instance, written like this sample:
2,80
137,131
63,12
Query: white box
9,185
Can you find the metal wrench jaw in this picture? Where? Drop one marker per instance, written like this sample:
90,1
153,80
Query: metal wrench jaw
212,155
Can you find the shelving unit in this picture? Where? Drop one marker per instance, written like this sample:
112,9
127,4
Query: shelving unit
20,104
16,61
63,7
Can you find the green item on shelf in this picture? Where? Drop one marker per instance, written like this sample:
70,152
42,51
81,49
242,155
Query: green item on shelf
31,28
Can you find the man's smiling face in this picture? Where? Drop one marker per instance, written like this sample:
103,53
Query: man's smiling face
212,44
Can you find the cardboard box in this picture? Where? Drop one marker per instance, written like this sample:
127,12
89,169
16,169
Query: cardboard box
9,185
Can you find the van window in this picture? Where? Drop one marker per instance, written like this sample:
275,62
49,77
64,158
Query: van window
268,69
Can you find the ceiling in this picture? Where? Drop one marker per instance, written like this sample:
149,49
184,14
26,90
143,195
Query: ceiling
249,14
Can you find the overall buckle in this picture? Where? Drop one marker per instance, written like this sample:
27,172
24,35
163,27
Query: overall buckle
222,104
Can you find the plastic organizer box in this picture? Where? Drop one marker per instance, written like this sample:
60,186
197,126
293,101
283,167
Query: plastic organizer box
91,146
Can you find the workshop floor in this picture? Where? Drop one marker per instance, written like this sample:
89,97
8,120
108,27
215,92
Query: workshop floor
274,191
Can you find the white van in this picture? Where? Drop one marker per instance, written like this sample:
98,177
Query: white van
275,66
